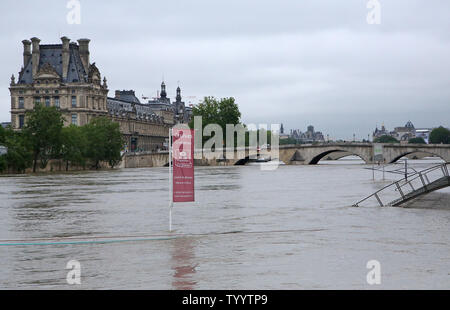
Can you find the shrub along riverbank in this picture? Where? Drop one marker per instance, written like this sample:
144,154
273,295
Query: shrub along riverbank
43,138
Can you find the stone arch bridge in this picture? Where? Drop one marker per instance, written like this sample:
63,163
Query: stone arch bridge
311,154
304,154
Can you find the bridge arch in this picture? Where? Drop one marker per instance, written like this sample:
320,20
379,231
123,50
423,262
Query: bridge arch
396,158
315,159
242,162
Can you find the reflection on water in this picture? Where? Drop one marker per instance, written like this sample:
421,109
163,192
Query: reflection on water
183,264
325,242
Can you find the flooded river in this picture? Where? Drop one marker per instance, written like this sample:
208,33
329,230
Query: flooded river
292,228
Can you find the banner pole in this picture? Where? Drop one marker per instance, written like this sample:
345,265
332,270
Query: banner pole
170,181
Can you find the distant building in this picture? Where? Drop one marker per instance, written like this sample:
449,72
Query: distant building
5,124
424,133
282,135
307,137
404,133
380,132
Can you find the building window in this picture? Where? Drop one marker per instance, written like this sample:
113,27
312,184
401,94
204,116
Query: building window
37,100
56,100
21,121
74,101
21,103
74,119
47,101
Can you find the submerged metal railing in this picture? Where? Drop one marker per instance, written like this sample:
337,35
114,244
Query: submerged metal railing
424,181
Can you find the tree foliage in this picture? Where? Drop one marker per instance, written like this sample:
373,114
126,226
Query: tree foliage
440,135
73,147
288,141
43,130
213,111
19,156
385,139
44,138
418,140
104,141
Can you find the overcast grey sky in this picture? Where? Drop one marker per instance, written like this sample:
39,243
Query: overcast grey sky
298,62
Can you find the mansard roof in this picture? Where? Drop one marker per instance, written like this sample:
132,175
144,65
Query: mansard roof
52,54
409,124
127,95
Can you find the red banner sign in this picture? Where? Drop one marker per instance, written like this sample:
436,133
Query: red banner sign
183,165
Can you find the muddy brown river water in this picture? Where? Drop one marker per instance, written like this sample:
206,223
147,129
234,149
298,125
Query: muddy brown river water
292,228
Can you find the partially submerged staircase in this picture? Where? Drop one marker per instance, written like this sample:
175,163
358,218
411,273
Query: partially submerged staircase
406,189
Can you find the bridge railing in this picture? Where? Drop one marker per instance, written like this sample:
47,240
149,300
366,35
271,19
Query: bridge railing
403,188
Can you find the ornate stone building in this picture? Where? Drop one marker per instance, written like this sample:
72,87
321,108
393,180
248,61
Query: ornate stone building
403,133
59,75
62,76
173,112
309,136
143,129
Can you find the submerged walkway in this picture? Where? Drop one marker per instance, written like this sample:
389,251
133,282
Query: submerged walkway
421,183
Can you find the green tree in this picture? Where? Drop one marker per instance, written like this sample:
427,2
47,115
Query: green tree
2,135
43,129
440,135
288,141
3,163
418,140
103,141
19,156
385,139
213,111
73,147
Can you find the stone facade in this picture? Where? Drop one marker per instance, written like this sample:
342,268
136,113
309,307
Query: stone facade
58,75
61,75
143,129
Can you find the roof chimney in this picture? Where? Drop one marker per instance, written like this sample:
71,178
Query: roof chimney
35,55
65,57
26,52
84,52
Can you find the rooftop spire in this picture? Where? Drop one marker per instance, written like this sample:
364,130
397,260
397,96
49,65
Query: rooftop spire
163,90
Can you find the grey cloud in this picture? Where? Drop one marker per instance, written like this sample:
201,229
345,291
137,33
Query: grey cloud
296,62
